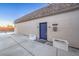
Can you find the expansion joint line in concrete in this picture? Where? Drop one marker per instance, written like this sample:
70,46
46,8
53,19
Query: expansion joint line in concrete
23,47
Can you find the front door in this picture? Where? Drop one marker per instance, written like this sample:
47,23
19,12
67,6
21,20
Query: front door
43,30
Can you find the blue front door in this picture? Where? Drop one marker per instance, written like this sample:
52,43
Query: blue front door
43,30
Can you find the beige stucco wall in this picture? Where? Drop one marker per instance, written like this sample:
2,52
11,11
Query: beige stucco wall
68,27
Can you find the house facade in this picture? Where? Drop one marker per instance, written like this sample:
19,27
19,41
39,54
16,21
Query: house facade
57,20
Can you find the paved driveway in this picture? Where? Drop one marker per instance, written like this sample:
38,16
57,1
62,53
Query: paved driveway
18,45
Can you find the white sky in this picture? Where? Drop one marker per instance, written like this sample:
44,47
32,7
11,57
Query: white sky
6,22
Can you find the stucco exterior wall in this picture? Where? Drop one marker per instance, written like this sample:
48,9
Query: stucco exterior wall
68,27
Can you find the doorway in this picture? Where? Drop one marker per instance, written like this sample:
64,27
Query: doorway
43,30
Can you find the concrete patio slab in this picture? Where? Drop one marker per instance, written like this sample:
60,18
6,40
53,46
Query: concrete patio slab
2,37
6,42
19,39
15,50
19,45
65,53
39,49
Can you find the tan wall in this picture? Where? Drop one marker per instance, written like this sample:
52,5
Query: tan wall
68,27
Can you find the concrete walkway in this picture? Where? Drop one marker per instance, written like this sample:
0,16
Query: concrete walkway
18,45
